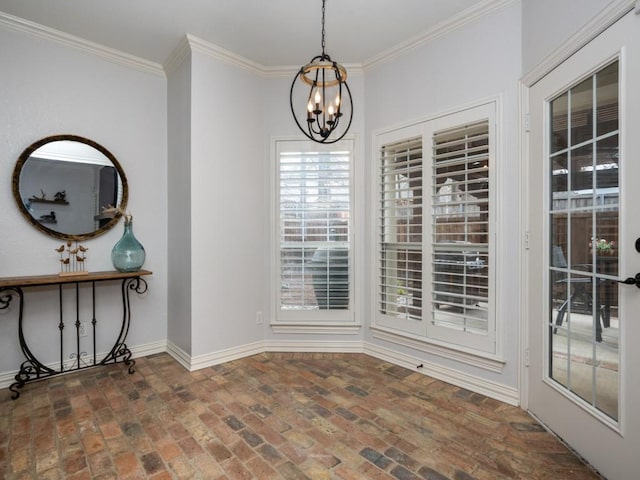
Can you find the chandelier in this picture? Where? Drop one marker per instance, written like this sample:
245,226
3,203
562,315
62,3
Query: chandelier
326,96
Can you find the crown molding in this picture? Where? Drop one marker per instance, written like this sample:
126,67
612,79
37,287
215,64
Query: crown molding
286,71
202,46
113,55
177,57
289,71
594,27
191,43
457,21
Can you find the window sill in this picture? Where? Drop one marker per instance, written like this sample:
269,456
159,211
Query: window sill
328,328
473,358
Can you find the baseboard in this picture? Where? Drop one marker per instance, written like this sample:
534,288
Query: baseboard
211,359
491,389
8,378
497,391
313,346
149,349
227,355
179,355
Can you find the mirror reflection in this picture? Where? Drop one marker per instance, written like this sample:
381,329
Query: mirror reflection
62,184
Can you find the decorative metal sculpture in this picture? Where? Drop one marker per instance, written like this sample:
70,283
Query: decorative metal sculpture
72,259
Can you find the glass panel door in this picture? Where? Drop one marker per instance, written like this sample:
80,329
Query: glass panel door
584,162
583,228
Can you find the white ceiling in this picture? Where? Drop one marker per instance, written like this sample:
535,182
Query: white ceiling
269,32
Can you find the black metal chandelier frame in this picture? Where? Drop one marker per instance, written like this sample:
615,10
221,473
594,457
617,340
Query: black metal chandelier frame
322,75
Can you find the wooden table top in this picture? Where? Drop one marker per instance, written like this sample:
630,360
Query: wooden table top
56,279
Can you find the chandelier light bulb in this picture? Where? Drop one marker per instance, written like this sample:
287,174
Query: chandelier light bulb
310,118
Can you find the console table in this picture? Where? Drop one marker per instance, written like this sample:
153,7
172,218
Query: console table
33,369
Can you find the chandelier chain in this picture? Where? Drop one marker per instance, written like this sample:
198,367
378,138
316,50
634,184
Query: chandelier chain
323,2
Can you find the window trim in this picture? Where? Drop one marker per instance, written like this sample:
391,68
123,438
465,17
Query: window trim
388,321
486,343
314,321
448,346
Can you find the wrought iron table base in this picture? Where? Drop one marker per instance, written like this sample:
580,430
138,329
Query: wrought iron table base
33,369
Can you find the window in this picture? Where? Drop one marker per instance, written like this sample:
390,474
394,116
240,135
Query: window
314,203
401,231
584,225
460,224
435,221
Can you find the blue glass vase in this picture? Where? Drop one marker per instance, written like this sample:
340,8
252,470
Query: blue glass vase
128,254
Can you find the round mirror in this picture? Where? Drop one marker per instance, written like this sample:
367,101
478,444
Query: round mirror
62,184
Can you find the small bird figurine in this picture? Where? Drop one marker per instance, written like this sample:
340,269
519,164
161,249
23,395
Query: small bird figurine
60,249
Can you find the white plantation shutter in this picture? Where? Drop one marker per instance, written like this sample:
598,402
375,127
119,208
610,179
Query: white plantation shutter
400,222
460,226
314,202
435,257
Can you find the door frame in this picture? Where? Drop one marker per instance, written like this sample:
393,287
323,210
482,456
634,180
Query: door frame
598,24
611,448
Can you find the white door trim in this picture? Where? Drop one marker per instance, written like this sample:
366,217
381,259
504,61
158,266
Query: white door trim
523,377
612,451
594,27
603,20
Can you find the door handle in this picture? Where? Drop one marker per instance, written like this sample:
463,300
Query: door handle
632,280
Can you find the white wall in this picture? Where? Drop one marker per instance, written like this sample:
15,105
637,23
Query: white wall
477,61
179,205
222,118
228,180
47,89
546,24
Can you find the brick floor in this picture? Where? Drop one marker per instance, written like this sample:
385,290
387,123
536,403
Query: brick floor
270,416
